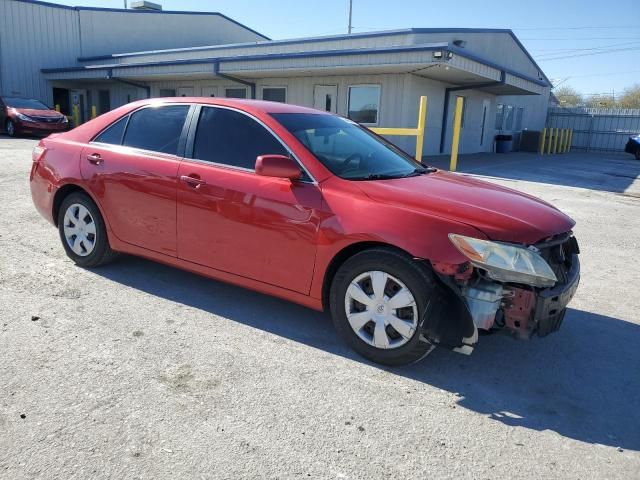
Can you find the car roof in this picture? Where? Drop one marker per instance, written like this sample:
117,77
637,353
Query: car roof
242,104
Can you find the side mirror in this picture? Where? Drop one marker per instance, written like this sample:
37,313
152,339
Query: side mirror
277,166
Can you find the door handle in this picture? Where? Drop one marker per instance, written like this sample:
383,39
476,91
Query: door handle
95,158
192,181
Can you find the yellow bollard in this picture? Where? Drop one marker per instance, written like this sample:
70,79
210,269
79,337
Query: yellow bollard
422,123
457,124
94,112
57,107
542,138
76,116
566,140
570,140
550,144
555,141
561,146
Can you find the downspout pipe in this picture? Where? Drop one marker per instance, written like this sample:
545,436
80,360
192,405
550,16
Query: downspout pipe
146,88
447,96
251,85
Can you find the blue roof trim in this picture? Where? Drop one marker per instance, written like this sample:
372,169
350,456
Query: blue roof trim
121,10
323,53
265,56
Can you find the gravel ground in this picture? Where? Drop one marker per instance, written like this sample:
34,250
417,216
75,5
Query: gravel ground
138,370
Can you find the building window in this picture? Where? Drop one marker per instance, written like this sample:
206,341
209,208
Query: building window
274,94
519,115
508,118
499,116
235,92
167,92
364,103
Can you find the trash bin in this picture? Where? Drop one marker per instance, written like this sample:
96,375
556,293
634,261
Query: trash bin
504,143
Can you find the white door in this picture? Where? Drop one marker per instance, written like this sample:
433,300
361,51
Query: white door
209,92
325,97
485,121
184,91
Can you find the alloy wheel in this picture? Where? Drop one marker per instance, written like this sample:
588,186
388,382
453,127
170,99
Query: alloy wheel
79,230
381,310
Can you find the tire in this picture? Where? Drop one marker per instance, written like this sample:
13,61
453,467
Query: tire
10,128
638,154
401,272
83,233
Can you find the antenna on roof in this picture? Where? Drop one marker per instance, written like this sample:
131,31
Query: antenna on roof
350,15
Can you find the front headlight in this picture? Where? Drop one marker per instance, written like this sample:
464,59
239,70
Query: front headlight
24,117
506,263
64,119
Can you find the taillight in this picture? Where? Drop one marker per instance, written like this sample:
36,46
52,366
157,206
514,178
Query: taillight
37,153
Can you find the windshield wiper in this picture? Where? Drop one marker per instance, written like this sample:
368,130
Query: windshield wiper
420,171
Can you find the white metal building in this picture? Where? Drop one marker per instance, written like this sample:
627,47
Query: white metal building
375,78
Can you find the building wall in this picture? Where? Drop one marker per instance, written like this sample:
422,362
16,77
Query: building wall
32,36
399,103
108,32
36,35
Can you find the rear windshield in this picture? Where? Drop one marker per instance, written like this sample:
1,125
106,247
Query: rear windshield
17,102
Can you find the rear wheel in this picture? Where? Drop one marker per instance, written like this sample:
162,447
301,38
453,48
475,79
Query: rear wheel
82,231
379,299
10,128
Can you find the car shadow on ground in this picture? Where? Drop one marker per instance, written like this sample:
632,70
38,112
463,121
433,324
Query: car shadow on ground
604,172
582,382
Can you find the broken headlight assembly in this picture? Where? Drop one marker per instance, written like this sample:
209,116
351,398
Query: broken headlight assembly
504,262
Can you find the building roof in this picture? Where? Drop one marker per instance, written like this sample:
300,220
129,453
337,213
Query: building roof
143,12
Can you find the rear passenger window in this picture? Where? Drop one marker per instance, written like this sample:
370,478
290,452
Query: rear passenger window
113,134
232,138
156,128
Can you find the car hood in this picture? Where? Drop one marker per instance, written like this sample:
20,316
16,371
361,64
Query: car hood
500,213
31,112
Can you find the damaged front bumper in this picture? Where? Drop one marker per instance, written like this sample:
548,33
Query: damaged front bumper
517,309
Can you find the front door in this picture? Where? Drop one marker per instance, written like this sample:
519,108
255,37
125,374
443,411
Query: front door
133,175
233,220
325,98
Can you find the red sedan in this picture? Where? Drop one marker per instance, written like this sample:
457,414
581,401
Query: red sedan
315,209
28,116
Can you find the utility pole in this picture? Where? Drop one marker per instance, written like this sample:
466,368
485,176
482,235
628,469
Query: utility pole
125,4
350,15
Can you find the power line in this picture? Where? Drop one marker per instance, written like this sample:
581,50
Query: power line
613,50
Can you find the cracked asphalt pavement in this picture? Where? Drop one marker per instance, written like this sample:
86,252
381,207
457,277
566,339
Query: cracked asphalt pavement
138,370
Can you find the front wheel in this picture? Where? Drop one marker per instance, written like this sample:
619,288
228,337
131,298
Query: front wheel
82,231
10,128
379,299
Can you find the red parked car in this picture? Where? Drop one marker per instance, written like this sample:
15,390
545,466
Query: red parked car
28,116
315,209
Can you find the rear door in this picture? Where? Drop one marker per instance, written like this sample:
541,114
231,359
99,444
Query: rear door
132,168
230,218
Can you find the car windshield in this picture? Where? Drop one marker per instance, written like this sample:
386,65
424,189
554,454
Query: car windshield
17,102
348,150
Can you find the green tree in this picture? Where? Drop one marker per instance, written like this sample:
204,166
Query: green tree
630,98
601,101
568,96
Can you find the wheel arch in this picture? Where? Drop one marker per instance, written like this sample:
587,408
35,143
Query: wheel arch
342,256
67,189
450,324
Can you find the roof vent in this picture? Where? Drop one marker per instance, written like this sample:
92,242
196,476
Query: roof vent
145,5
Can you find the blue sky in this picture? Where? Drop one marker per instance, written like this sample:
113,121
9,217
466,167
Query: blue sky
591,45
